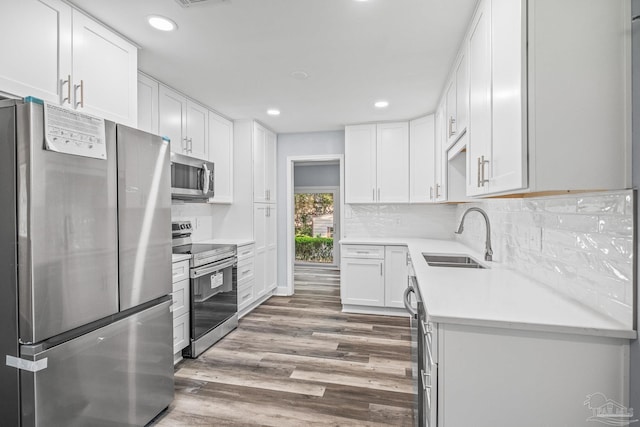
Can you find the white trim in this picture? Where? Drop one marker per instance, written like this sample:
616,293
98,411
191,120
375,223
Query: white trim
290,191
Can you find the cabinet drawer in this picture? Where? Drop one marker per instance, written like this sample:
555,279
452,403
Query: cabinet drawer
245,251
180,271
363,251
180,297
245,295
245,270
180,332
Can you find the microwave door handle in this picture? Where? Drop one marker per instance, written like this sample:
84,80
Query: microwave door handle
205,178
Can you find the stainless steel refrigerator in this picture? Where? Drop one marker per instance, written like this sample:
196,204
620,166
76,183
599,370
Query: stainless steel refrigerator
85,270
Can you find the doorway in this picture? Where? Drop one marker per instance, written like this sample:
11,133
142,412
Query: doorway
314,181
317,224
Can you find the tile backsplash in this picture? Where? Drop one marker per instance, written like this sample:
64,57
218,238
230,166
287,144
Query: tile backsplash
200,215
579,244
426,221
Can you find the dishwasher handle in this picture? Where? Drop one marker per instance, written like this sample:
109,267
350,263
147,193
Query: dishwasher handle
407,303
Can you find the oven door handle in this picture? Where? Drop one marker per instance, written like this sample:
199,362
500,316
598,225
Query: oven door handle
211,268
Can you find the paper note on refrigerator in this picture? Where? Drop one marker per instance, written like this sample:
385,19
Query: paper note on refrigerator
73,132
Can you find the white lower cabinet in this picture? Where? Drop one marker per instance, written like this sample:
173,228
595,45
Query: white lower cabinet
180,307
487,377
373,276
245,275
264,231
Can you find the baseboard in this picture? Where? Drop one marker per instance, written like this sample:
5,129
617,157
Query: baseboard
380,311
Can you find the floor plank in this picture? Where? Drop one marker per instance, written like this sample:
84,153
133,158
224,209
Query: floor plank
300,361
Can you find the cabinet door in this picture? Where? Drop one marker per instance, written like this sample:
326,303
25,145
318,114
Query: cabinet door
105,72
271,257
396,275
451,115
147,104
197,131
259,183
360,164
479,148
440,161
393,162
462,95
508,167
221,154
260,237
173,112
270,165
422,160
36,49
362,281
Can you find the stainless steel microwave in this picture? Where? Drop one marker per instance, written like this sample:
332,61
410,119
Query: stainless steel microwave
191,178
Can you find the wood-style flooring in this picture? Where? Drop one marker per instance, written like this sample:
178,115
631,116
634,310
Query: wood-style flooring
300,361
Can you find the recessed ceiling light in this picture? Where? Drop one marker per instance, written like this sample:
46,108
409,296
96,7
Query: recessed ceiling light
381,104
300,75
273,112
161,23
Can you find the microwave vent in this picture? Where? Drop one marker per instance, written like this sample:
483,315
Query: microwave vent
189,3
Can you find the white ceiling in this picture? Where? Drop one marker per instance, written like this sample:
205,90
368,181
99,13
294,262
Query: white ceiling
237,56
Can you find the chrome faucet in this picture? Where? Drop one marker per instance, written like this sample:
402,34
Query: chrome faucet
488,252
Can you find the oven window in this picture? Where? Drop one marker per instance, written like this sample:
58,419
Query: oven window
214,299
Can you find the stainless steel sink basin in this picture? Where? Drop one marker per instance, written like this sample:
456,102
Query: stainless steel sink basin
452,260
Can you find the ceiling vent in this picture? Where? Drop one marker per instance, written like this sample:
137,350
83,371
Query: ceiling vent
189,3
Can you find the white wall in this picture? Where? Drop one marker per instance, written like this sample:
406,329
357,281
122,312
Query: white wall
298,144
316,176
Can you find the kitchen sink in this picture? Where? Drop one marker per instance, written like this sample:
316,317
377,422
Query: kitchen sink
452,260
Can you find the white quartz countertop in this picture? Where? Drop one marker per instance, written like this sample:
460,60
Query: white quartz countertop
179,257
495,296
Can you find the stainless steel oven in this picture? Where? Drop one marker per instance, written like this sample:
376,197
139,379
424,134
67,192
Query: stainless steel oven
213,289
191,179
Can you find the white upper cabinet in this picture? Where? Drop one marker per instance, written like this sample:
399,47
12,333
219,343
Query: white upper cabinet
197,130
264,164
549,97
377,163
185,123
221,154
172,107
360,164
105,71
422,160
68,59
44,71
440,156
457,101
148,104
479,149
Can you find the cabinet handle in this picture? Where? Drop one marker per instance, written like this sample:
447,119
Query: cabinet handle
68,83
378,194
190,140
483,162
438,190
373,194
479,171
381,269
424,376
452,121
431,193
81,86
246,271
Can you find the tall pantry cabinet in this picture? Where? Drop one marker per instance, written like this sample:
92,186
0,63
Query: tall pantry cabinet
252,215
